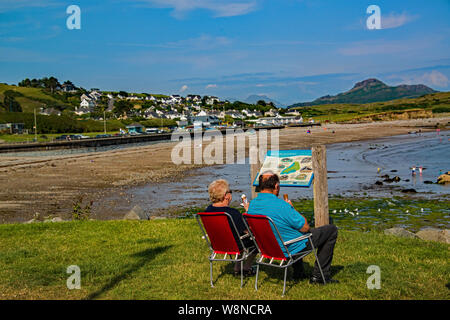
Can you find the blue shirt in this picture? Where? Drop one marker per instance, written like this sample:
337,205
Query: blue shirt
286,218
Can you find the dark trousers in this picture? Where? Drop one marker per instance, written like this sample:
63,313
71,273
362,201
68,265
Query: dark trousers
324,238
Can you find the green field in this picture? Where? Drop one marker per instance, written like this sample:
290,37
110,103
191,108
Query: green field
167,259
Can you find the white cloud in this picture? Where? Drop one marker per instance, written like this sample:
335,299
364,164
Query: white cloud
394,20
220,8
432,79
209,86
184,88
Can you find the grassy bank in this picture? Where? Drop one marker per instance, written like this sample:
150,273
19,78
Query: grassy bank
167,259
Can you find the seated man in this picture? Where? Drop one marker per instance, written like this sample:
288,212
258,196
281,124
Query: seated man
220,196
291,225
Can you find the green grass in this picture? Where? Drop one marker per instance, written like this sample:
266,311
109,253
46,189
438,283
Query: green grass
167,259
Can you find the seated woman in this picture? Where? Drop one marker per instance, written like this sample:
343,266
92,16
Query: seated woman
220,196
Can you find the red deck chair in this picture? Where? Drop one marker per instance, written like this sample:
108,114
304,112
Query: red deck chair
223,240
259,227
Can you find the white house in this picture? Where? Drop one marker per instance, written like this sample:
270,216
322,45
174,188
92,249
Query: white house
210,100
271,113
194,98
85,97
95,95
49,111
86,106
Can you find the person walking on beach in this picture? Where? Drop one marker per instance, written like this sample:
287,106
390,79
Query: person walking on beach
221,197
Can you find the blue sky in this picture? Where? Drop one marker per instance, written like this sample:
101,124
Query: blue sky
289,50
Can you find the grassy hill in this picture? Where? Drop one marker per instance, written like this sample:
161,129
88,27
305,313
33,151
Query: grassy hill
429,104
371,90
30,98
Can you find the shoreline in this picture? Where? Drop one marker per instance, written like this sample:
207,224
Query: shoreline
50,185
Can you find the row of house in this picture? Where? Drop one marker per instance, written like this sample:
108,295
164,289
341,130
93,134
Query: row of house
191,111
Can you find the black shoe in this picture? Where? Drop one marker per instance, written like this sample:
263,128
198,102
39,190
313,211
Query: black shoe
299,276
247,273
319,280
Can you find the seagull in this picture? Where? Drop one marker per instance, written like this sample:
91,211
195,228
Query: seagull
379,210
340,211
407,211
345,210
352,214
421,210
334,211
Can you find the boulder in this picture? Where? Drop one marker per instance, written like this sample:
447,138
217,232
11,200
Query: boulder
137,213
444,178
434,234
55,219
400,232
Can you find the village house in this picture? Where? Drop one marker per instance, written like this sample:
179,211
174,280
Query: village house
69,88
95,95
193,98
86,106
271,113
49,111
211,99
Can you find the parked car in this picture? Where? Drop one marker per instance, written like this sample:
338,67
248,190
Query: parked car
62,137
99,136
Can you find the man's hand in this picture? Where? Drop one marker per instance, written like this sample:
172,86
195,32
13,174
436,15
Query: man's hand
305,228
246,206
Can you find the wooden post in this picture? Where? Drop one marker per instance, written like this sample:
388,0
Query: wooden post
320,188
254,169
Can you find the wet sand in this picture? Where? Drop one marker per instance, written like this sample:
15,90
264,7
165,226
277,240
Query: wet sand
50,185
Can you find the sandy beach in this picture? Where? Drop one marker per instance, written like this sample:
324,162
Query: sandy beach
50,185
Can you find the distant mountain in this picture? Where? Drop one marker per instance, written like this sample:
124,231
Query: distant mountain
253,99
371,90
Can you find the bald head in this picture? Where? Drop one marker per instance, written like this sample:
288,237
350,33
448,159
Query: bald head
269,182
